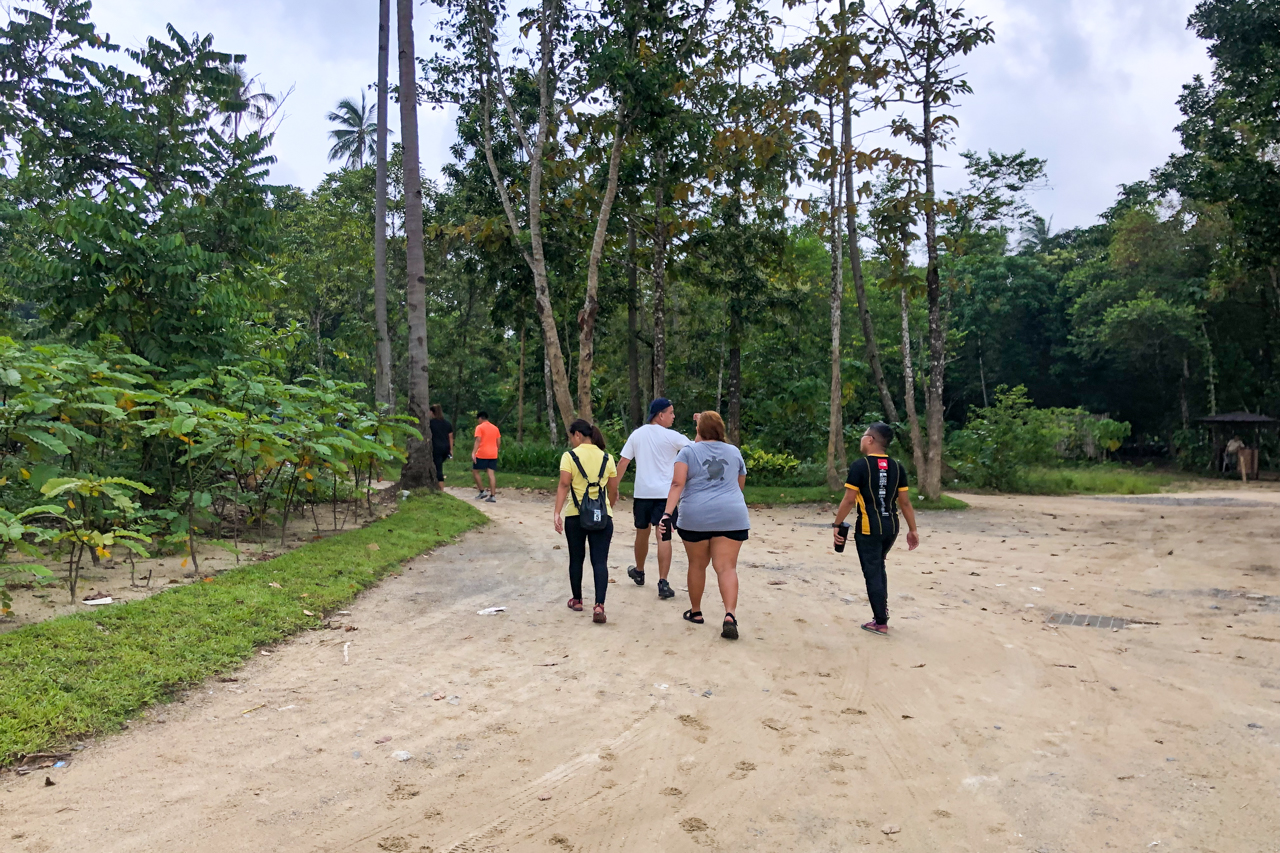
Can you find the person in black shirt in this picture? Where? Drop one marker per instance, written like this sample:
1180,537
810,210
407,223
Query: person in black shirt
877,485
441,439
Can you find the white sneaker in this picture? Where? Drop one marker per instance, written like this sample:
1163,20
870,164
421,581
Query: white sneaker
484,494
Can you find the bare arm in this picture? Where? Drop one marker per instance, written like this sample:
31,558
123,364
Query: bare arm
612,486
677,488
623,462
909,513
475,449
846,506
450,445
562,492
742,482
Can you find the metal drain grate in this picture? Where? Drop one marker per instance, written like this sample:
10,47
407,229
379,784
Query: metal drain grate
1087,621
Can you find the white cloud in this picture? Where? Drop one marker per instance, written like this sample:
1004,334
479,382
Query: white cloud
1088,84
327,49
1091,85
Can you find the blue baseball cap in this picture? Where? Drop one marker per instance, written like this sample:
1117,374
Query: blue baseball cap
658,406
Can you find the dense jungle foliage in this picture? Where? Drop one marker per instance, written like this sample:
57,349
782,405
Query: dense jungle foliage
189,349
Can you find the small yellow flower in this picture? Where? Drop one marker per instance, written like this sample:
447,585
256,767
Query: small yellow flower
26,475
71,503
103,552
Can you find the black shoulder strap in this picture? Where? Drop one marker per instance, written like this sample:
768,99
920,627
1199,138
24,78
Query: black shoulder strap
578,462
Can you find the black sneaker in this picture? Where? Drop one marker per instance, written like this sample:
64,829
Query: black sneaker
636,575
665,590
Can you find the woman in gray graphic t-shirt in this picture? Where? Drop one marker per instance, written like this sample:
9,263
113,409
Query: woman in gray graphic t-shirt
713,521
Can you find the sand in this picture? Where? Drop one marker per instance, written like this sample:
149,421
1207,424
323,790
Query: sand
975,727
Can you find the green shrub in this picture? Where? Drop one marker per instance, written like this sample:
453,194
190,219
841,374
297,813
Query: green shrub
237,444
1001,443
530,458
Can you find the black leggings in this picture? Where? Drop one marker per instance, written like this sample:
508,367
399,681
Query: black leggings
578,540
872,550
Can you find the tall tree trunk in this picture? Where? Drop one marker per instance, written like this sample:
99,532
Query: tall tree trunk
519,392
931,480
591,304
1182,392
982,375
420,469
1212,372
659,278
909,380
633,345
855,251
535,256
734,421
836,460
720,372
383,392
315,321
551,399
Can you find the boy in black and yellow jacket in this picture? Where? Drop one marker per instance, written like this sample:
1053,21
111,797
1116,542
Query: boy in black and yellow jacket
877,485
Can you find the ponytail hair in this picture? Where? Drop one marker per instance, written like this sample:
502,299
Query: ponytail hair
589,430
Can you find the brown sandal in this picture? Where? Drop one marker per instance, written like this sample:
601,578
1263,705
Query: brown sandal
597,614
575,604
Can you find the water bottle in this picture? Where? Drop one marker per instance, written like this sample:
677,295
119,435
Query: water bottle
844,534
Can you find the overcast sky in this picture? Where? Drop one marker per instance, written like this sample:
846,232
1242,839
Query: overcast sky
1090,85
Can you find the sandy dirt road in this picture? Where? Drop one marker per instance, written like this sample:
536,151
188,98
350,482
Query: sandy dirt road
975,727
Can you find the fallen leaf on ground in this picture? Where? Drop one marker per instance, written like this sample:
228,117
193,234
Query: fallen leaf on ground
276,585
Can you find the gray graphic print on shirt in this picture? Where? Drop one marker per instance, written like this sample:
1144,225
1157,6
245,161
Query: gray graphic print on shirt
715,468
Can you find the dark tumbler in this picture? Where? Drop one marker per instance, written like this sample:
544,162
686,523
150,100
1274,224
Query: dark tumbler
844,534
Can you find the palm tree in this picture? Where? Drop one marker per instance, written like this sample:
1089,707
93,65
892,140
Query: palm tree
420,469
356,131
243,102
382,379
1037,235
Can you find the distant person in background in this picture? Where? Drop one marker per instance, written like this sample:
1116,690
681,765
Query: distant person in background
877,486
484,457
588,475
1232,457
706,487
441,439
653,447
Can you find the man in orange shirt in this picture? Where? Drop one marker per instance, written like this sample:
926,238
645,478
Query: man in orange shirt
484,457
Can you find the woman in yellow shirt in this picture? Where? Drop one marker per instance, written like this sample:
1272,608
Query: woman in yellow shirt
587,455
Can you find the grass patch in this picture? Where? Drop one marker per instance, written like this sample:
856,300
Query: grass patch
459,474
1106,479
87,673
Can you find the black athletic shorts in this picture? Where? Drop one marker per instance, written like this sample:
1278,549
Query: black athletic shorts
648,513
704,535
484,464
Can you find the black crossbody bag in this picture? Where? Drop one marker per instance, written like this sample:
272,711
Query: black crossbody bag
593,513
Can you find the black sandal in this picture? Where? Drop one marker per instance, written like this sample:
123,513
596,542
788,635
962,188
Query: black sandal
730,629
694,616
